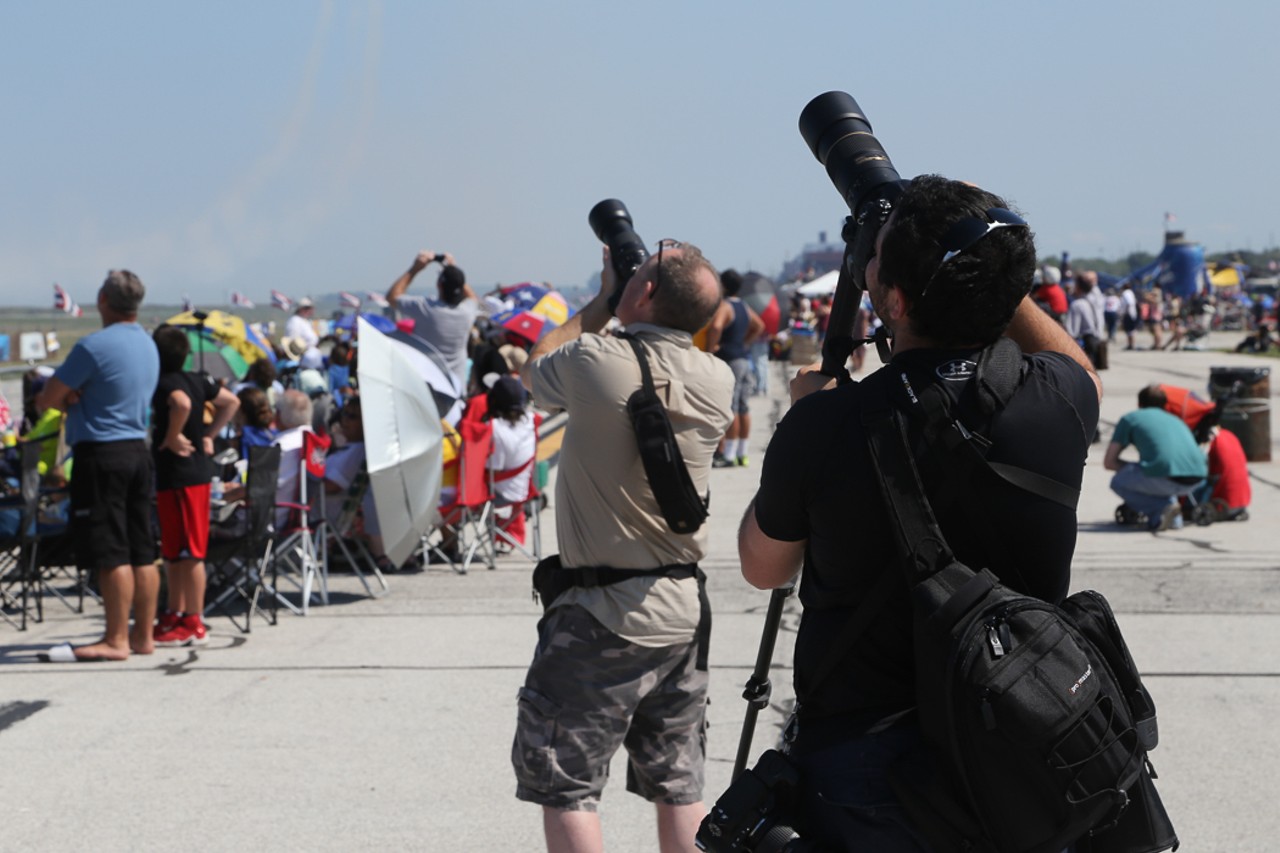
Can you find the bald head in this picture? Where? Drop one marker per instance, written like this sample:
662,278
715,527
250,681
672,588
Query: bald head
681,292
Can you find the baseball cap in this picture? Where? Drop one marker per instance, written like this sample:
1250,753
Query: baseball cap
507,394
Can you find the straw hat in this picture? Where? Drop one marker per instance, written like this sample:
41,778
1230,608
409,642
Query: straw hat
293,348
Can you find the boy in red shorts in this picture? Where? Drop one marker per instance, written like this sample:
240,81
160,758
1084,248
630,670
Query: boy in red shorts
182,444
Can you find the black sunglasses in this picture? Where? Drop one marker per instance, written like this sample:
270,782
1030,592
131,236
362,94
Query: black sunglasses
668,243
970,230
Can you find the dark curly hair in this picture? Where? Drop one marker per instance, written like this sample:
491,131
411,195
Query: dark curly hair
973,296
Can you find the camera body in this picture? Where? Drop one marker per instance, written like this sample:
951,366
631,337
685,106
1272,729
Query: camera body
839,135
750,814
438,257
611,222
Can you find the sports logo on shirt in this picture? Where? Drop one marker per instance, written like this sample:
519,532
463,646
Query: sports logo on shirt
956,370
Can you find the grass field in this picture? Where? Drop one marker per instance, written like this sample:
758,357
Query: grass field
14,321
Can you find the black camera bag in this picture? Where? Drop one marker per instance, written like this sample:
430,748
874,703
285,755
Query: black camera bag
682,507
1035,717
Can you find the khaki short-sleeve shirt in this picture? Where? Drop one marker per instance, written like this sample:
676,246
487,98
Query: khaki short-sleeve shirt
606,514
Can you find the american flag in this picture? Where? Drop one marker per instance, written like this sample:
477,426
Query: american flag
348,300
1169,218
239,300
377,299
279,300
187,304
61,302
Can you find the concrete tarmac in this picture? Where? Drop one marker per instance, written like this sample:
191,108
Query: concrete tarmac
386,723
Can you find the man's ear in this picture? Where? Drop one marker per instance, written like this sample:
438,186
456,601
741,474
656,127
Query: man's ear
897,305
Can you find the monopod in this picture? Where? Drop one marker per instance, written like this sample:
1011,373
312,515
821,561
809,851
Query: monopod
759,688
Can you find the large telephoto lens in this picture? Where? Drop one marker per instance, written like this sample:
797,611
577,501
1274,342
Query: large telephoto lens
839,135
611,223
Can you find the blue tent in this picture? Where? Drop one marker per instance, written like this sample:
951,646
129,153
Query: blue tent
1178,270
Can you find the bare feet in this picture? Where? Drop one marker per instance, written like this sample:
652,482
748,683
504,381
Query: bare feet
100,651
141,643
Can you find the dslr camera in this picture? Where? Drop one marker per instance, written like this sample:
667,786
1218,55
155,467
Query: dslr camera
611,222
751,815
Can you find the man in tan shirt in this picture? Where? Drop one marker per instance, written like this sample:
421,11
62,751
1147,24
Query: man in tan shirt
621,662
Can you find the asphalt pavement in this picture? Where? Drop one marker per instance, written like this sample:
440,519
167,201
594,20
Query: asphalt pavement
387,723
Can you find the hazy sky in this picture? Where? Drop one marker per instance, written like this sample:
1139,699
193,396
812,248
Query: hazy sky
314,146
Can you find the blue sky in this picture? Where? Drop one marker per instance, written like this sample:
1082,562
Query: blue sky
313,147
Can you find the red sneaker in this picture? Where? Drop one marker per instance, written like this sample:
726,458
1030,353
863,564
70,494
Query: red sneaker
177,635
198,633
165,624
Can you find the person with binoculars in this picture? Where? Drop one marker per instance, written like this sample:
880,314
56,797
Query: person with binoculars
621,653
949,274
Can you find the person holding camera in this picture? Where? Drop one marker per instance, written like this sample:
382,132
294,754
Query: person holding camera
950,274
446,321
621,653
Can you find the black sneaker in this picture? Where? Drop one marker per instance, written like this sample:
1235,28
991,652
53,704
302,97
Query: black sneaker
719,461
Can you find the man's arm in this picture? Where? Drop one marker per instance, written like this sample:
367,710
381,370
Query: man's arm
1112,461
719,322
1035,331
55,394
179,410
400,285
767,563
592,318
225,406
755,326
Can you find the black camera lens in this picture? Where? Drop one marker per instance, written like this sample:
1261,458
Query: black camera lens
839,135
611,222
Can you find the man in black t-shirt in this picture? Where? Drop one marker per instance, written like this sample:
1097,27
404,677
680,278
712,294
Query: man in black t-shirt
950,274
182,444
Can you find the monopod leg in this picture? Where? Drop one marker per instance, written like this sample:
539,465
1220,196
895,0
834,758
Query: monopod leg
759,689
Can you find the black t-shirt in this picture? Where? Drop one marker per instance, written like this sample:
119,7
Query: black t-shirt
173,471
818,484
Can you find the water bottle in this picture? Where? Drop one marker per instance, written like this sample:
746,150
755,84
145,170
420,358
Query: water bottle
215,489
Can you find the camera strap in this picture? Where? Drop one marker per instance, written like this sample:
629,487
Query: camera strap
682,507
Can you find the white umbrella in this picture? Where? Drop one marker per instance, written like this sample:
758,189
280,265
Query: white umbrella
823,285
402,440
445,388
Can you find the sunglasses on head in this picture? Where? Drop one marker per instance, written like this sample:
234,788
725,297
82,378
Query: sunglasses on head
668,243
970,230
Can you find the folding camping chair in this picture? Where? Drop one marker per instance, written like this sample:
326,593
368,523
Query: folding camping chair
297,548
530,506
19,585
354,551
466,517
237,562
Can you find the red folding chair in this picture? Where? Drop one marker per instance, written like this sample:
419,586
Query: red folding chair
465,518
510,531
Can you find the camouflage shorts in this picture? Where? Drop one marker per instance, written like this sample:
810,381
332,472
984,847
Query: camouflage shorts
588,691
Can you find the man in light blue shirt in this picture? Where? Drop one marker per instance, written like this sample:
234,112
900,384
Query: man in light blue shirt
1170,462
105,388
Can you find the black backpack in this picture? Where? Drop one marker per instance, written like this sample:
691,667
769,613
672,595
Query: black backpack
1036,719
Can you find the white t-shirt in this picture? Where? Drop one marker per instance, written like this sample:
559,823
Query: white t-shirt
513,446
300,327
290,444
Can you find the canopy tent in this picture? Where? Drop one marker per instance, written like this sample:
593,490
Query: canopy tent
823,285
